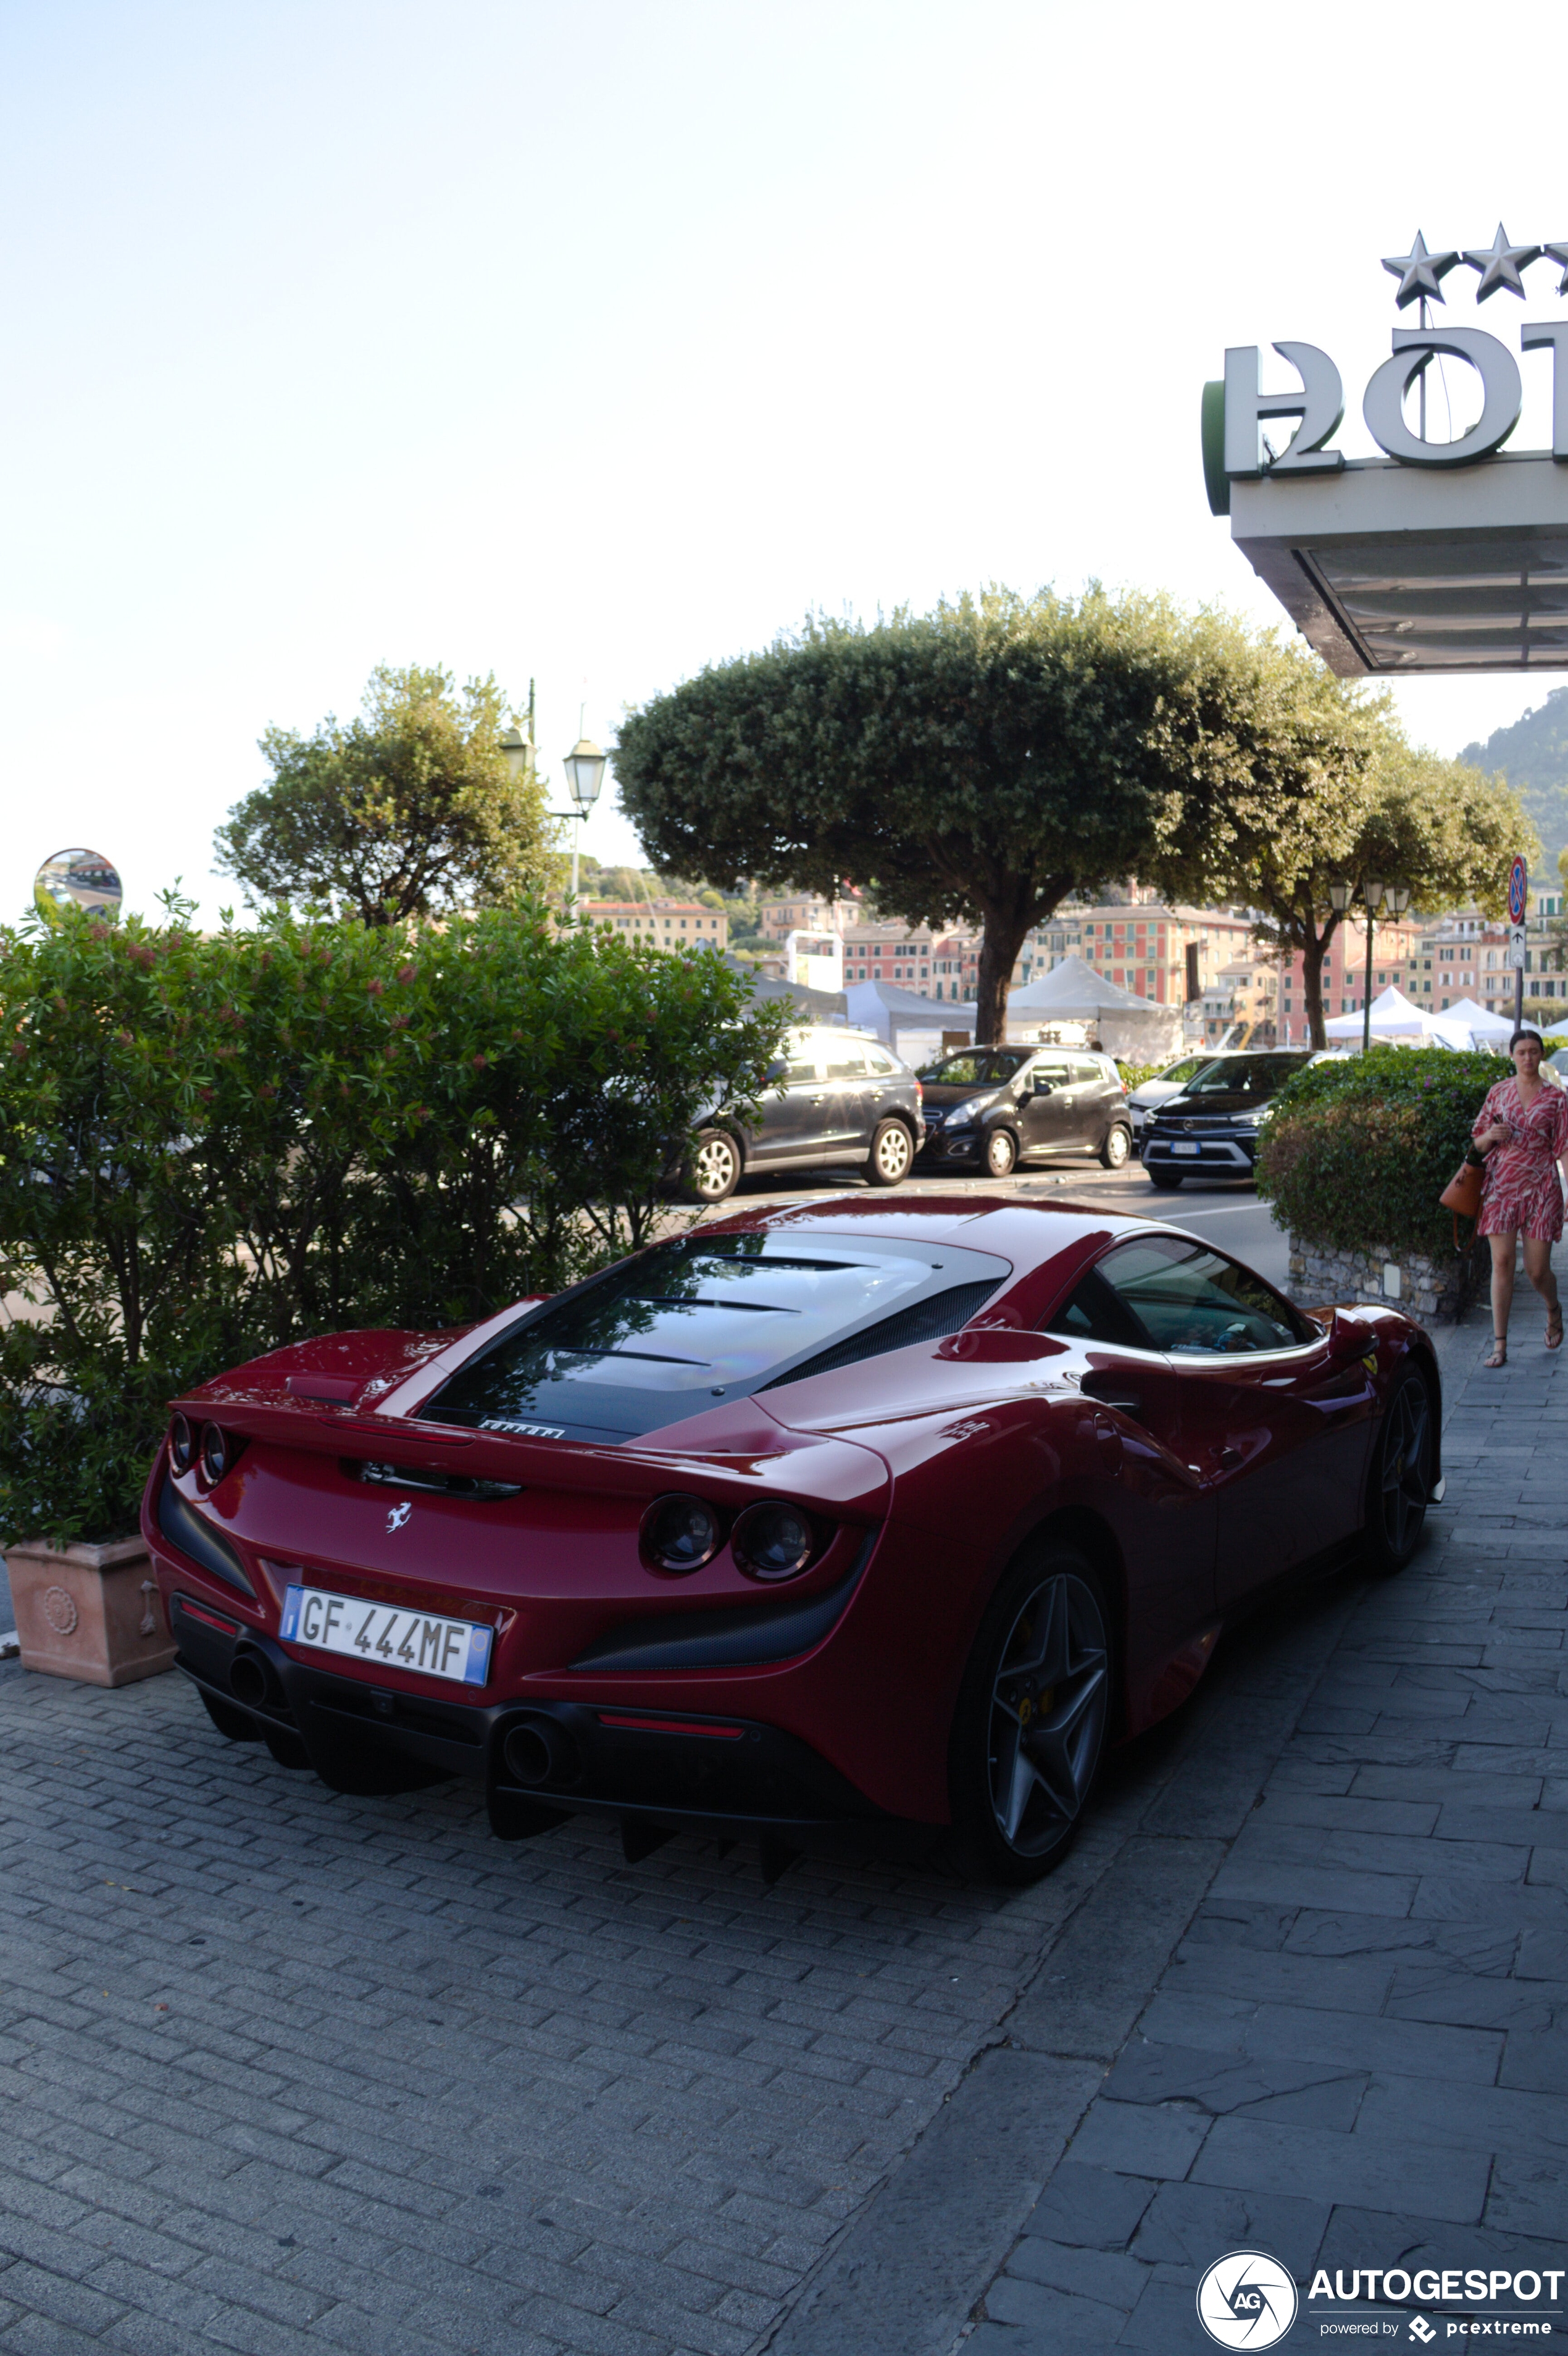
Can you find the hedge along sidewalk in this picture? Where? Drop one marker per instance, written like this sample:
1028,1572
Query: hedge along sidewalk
213,1145
1353,1159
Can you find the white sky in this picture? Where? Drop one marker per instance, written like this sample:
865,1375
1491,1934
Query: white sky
598,339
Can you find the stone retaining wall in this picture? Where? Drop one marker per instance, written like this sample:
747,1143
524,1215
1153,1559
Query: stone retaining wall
1434,1291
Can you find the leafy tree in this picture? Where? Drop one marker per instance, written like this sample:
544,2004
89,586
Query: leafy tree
410,810
983,762
1438,828
213,1144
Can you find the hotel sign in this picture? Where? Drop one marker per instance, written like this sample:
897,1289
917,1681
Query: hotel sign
1440,555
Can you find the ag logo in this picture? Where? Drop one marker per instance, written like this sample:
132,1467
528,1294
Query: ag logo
398,1516
1246,2300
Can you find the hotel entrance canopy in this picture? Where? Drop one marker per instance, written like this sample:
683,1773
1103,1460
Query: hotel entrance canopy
1385,568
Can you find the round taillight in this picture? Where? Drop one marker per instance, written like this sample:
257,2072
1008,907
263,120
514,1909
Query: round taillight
773,1541
680,1533
182,1445
216,1452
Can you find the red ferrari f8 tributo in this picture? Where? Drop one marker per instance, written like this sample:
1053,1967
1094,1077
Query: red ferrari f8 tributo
815,1522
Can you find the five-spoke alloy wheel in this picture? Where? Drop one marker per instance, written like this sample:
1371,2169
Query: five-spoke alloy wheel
1401,1486
714,1170
893,1150
1030,1726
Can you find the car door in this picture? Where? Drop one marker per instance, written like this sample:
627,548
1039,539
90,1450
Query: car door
846,1112
1274,1416
1167,1509
1093,1099
792,1108
1045,1105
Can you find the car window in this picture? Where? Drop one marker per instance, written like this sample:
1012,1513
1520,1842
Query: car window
705,1317
1085,1069
1244,1075
878,1061
975,1067
846,1061
1188,1298
1188,1065
803,1068
1050,1074
1094,1313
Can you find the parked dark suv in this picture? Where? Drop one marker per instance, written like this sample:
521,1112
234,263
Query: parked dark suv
1210,1130
835,1097
991,1107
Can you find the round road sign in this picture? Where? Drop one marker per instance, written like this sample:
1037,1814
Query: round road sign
1518,892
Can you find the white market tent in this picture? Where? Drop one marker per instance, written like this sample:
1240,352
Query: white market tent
911,1025
1398,1020
1394,1016
1474,1025
1137,1029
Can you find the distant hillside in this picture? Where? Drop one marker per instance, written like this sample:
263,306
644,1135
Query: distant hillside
1533,756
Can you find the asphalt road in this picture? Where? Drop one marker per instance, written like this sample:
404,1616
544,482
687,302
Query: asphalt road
1230,1216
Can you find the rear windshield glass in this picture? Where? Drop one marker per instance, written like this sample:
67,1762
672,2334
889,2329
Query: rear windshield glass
1244,1075
707,1318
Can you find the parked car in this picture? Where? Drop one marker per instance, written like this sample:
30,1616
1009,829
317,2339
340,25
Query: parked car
1142,1099
992,1108
826,1523
836,1098
1210,1127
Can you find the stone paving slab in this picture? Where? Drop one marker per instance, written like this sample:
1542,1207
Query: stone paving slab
1355,2056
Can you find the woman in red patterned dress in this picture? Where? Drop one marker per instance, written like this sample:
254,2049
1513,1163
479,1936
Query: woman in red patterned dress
1523,1129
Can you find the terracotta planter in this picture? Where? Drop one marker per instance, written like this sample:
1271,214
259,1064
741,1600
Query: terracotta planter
92,1613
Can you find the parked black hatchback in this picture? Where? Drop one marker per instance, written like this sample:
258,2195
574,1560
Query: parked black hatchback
991,1107
1210,1130
835,1097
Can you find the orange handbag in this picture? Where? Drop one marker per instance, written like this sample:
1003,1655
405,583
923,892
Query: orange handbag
1462,1194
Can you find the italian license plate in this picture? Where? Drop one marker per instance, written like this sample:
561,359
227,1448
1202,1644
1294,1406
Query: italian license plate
1184,1149
458,1650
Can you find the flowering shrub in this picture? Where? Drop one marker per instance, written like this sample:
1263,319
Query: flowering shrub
211,1146
1357,1150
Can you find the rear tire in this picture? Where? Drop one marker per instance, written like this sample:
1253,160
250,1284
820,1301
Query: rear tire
1167,1181
1399,1489
713,1171
1028,1733
1118,1145
891,1155
1001,1154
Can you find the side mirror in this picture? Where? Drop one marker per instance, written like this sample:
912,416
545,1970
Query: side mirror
1348,1337
1042,1086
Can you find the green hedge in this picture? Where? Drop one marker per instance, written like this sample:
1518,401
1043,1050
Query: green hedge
212,1146
1357,1150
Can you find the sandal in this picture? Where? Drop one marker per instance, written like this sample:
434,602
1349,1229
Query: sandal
1554,1326
1499,1351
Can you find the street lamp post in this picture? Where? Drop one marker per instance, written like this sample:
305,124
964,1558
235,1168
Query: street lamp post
1395,898
584,775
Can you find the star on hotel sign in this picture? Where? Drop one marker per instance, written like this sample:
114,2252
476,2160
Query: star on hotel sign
1420,273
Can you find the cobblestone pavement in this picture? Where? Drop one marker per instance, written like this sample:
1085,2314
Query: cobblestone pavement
1358,2055
282,2070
